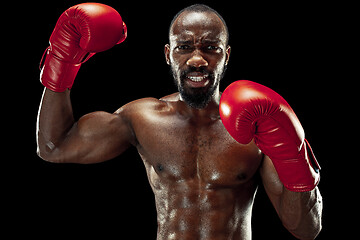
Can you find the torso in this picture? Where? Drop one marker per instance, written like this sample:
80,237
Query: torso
203,180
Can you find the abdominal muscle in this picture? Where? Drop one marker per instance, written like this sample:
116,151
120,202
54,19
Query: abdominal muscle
196,211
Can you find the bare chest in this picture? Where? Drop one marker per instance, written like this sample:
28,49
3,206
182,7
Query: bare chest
175,150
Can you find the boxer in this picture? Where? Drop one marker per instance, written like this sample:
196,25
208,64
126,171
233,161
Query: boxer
201,149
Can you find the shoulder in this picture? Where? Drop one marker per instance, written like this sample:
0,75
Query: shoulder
141,105
146,106
144,115
171,98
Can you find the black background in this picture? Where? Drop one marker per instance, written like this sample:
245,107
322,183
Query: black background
288,47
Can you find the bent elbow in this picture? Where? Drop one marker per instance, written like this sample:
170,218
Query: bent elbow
316,231
307,236
310,233
47,152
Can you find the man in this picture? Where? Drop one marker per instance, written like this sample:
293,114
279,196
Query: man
203,180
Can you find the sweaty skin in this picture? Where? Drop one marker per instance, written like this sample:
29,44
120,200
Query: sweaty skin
204,182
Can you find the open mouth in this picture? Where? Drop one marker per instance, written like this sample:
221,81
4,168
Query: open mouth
196,80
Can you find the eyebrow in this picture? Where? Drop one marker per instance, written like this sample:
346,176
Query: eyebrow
209,41
184,41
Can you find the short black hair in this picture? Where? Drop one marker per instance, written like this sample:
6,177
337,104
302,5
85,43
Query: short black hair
201,8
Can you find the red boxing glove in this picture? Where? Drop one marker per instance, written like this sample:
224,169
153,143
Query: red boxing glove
80,32
250,110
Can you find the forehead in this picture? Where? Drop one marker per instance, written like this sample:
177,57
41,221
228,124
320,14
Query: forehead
198,25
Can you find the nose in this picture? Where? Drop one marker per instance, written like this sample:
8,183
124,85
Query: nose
197,61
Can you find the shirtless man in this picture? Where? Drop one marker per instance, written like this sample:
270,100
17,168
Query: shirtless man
203,180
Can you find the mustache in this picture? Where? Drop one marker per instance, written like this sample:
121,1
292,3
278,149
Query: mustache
198,70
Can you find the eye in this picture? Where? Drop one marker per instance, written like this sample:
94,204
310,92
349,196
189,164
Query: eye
183,47
212,48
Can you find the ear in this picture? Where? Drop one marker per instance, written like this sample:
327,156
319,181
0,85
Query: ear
167,53
228,50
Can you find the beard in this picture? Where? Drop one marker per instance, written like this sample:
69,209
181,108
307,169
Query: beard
197,97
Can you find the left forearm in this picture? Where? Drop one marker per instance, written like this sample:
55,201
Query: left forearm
300,212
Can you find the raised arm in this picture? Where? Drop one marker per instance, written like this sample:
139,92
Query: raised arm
80,32
96,137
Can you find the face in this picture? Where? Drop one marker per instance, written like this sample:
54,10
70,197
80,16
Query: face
198,55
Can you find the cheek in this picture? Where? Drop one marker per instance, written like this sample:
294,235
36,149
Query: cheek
220,64
176,60
175,69
176,65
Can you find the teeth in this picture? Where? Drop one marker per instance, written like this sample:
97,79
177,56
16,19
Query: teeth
197,79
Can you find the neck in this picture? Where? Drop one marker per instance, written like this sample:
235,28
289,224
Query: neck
211,110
